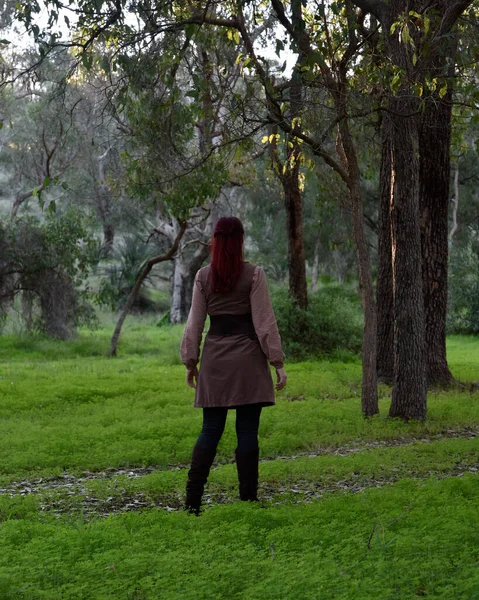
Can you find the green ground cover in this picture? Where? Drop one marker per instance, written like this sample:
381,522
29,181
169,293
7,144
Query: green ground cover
350,508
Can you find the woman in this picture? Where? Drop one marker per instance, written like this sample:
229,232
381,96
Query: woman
234,370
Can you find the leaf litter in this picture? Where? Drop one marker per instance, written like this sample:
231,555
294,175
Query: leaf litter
68,494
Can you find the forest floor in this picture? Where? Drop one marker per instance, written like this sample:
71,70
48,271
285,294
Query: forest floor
94,454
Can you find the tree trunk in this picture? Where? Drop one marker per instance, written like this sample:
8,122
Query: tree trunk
347,154
384,290
185,268
434,172
410,385
315,269
177,312
455,203
293,200
103,206
369,396
296,254
184,272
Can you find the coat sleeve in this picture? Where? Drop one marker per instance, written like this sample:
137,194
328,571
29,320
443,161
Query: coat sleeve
190,344
264,319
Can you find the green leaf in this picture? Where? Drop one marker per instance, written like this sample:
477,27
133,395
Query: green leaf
443,91
396,83
5,42
427,23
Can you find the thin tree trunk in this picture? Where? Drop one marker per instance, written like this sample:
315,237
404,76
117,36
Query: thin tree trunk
315,269
103,206
296,254
293,200
369,396
138,283
347,152
177,310
384,289
455,202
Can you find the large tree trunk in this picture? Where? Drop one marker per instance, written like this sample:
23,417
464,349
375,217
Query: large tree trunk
384,289
434,147
410,385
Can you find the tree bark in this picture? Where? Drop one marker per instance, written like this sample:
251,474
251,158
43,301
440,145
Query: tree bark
184,272
293,202
347,152
103,206
434,173
410,385
138,283
369,395
455,202
384,287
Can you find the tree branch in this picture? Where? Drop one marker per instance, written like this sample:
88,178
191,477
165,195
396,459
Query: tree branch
138,283
378,8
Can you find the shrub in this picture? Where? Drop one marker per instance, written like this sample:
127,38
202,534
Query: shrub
46,263
332,323
130,257
463,310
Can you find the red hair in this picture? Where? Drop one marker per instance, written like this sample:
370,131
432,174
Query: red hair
226,254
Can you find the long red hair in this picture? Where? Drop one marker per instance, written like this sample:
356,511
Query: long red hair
226,254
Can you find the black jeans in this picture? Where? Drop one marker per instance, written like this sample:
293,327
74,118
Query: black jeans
247,424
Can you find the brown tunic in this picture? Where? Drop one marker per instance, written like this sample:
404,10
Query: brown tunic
234,368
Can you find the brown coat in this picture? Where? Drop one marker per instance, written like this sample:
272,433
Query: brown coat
234,368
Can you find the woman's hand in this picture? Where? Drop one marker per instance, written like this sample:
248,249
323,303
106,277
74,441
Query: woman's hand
192,377
282,379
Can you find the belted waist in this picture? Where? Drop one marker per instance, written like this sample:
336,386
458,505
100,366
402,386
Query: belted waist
232,325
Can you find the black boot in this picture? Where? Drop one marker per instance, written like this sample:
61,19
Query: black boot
201,462
247,465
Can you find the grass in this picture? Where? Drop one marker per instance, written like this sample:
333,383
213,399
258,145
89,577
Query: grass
391,514
407,541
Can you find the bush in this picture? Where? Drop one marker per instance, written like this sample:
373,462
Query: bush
332,323
463,310
130,257
46,264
